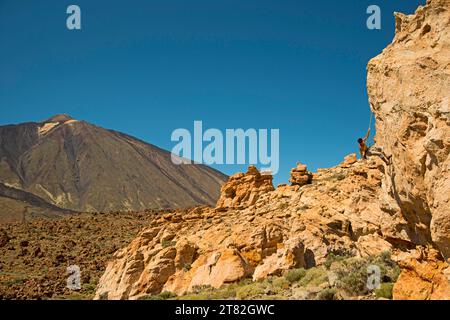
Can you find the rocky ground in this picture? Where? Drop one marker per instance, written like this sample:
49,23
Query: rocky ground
34,256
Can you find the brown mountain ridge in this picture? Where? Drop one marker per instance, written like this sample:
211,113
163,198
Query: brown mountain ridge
78,166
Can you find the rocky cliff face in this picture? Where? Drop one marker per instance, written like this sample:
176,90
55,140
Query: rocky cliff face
243,190
342,211
358,208
409,90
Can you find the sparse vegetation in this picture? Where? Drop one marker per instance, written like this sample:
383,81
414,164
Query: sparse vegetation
198,289
187,267
351,273
385,290
165,295
250,290
14,281
294,275
283,206
327,294
74,296
279,284
314,277
331,257
168,243
335,176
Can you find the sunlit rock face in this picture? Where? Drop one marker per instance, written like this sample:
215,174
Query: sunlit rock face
409,90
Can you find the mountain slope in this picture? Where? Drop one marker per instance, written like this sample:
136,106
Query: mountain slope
79,166
18,205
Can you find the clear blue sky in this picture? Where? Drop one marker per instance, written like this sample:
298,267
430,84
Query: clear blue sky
148,67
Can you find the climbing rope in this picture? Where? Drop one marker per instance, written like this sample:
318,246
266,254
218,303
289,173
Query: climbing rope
370,122
370,125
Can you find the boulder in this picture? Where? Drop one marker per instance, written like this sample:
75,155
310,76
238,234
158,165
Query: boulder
349,160
227,266
243,190
292,255
4,238
300,175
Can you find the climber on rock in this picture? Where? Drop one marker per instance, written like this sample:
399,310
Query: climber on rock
366,151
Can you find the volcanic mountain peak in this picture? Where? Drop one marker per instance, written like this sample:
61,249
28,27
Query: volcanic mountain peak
84,167
54,122
59,118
